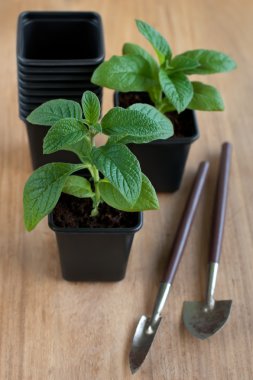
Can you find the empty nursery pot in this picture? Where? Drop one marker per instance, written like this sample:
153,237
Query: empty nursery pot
163,161
95,254
58,92
83,77
60,38
37,101
53,49
56,70
28,104
27,100
36,134
52,85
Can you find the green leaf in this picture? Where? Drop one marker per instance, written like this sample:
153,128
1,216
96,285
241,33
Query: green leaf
43,189
133,49
96,128
184,64
147,199
126,73
164,125
91,107
78,186
177,89
53,110
82,149
158,42
64,132
140,123
210,61
121,168
206,98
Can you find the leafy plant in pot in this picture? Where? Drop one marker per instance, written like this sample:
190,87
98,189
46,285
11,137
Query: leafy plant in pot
138,77
94,213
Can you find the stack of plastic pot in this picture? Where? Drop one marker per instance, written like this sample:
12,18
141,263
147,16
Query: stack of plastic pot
57,53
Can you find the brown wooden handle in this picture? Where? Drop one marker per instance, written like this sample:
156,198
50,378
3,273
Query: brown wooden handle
220,203
185,223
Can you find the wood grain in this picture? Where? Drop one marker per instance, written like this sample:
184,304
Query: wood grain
51,329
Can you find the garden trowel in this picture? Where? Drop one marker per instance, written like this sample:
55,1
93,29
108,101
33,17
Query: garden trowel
147,327
204,319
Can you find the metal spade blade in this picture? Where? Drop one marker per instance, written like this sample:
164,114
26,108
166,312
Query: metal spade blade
142,341
202,322
203,319
147,327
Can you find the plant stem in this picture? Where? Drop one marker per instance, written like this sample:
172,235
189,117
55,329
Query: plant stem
97,197
155,96
160,107
95,175
165,107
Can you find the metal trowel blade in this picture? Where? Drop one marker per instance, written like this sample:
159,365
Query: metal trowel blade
202,322
142,341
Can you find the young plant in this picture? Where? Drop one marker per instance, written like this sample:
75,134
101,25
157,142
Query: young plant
165,80
115,173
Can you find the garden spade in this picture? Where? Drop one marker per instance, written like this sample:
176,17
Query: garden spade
204,319
147,327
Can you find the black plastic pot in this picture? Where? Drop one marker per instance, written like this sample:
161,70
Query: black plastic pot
27,107
54,77
51,85
60,39
55,49
28,104
163,161
36,134
58,93
94,254
56,69
39,100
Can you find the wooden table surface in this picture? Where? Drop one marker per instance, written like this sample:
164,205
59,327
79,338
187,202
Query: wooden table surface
52,329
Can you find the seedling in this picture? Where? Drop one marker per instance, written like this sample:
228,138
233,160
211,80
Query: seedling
165,80
115,173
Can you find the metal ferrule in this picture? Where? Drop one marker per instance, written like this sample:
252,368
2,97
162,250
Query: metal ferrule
213,271
159,305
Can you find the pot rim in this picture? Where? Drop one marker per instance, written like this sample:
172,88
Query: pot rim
23,19
96,230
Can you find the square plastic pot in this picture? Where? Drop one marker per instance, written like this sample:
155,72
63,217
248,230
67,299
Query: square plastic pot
60,38
51,85
56,69
163,161
54,77
39,99
94,254
45,85
28,105
27,100
36,134
57,92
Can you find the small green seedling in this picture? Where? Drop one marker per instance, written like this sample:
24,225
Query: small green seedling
165,80
115,173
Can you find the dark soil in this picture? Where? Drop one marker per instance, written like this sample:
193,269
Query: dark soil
182,122
75,212
126,99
